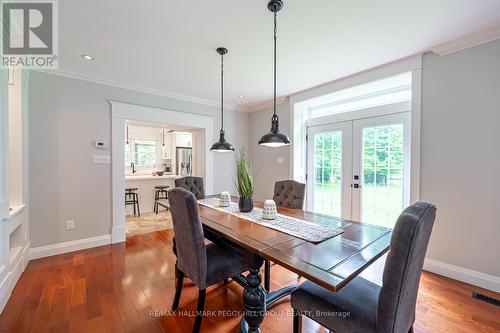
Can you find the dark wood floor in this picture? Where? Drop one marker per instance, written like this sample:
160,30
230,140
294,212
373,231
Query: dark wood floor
125,288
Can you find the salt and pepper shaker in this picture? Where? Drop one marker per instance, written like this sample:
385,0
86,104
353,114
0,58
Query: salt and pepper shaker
269,212
225,199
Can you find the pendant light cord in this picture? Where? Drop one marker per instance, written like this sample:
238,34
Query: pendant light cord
275,32
222,91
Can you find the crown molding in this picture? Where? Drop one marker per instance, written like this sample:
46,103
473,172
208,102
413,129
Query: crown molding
266,104
470,40
139,88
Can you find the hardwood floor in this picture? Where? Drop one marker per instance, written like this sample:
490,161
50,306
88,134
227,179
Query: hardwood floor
129,287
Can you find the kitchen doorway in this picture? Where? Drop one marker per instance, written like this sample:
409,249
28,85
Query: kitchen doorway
155,156
202,164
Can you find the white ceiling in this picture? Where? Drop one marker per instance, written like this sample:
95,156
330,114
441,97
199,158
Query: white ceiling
169,46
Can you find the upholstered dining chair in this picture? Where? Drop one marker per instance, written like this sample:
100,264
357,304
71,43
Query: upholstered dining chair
290,194
364,306
193,185
204,264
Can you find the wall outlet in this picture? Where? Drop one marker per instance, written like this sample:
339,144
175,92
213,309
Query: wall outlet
70,225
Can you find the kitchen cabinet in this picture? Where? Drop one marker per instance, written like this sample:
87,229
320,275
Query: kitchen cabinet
168,149
183,140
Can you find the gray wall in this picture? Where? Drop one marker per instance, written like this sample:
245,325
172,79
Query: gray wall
66,115
264,159
460,161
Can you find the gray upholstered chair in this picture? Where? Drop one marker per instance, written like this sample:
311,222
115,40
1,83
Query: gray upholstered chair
203,264
193,185
363,306
290,194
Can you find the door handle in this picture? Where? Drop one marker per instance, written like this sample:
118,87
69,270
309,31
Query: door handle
356,185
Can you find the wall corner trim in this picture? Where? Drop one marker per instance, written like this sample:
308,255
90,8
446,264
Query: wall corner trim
70,246
462,274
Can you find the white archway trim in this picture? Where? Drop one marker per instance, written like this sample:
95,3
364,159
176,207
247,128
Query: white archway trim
120,112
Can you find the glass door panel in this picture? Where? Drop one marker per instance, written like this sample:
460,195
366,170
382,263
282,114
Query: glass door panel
329,149
328,173
381,160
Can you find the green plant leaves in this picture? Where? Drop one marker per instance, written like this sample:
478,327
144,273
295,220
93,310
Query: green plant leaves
244,175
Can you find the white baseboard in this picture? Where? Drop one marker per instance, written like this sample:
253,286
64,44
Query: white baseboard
64,247
466,275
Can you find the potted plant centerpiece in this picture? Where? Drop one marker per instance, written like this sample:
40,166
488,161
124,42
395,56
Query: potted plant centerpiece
244,184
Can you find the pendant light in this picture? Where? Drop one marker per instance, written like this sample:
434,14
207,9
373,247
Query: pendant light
274,138
222,146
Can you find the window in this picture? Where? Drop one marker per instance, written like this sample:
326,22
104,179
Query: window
382,92
145,153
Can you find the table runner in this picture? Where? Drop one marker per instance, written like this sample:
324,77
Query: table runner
306,230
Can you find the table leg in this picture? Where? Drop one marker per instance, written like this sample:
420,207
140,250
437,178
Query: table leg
254,297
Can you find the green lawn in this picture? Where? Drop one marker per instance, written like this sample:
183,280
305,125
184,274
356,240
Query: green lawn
381,204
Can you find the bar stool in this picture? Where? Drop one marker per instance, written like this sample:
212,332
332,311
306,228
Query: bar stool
161,197
132,198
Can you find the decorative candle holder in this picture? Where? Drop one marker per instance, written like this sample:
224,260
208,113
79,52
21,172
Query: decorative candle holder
225,199
269,212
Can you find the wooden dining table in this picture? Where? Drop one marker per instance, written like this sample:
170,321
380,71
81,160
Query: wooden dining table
331,263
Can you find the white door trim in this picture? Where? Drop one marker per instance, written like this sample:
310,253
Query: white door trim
120,112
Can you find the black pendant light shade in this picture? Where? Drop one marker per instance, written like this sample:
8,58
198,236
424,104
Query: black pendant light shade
222,145
274,138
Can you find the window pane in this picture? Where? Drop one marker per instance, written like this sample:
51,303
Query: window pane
145,153
381,92
382,196
328,173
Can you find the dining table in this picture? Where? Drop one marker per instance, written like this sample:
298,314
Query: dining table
331,263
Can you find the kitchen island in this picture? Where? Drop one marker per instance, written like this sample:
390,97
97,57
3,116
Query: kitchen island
146,189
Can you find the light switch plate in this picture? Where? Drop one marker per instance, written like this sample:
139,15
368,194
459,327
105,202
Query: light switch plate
280,160
70,225
101,159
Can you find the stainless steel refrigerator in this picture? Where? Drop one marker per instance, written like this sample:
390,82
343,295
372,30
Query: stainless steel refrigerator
184,158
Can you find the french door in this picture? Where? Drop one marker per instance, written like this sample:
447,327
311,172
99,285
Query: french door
359,169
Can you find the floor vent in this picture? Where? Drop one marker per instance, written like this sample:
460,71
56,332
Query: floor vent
485,298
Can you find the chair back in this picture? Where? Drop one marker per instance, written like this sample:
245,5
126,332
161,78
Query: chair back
189,237
398,295
193,185
289,193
